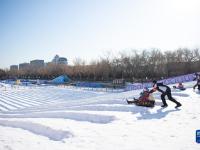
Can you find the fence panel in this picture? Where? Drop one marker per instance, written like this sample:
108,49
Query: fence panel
173,80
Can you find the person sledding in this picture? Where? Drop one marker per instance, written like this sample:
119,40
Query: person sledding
166,91
146,99
198,82
180,86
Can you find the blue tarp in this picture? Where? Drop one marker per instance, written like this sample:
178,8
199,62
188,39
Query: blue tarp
61,79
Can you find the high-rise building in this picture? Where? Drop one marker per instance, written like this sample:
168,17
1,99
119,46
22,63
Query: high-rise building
24,66
37,63
14,67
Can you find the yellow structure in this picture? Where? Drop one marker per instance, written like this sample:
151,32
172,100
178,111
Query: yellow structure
18,82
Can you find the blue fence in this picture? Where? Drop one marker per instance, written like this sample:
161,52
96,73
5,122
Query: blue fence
183,78
90,84
137,86
173,80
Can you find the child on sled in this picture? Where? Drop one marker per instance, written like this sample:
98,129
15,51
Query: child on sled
146,99
180,86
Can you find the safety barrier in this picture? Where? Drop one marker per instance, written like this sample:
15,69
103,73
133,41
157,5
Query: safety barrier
172,80
90,84
96,86
178,79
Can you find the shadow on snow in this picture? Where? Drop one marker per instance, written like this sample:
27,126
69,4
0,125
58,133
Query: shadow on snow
160,113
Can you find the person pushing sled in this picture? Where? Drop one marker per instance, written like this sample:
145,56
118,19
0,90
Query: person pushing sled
146,99
198,82
166,91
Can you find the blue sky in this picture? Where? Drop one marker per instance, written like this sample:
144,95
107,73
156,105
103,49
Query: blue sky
39,29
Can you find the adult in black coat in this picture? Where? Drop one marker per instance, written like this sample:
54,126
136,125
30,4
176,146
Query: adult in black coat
165,90
198,82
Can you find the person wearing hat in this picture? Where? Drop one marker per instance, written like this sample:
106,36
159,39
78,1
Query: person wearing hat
166,91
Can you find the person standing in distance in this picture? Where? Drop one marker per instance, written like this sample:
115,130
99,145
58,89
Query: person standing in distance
166,91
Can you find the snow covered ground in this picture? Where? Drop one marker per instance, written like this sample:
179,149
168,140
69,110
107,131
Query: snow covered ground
58,118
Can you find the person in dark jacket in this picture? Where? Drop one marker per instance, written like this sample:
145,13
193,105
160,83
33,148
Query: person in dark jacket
198,82
166,91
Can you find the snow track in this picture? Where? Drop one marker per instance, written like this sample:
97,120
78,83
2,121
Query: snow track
57,118
52,134
16,99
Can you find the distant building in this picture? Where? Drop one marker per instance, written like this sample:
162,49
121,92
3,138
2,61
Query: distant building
37,63
62,60
55,59
24,66
59,60
14,67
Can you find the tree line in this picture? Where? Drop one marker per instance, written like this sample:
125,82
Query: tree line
132,66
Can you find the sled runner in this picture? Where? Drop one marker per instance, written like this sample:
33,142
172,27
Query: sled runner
149,103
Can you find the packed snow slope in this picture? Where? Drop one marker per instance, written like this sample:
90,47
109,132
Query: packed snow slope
59,118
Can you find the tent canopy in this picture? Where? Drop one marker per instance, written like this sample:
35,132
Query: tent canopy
61,79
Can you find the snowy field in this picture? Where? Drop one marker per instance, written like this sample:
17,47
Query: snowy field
58,118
